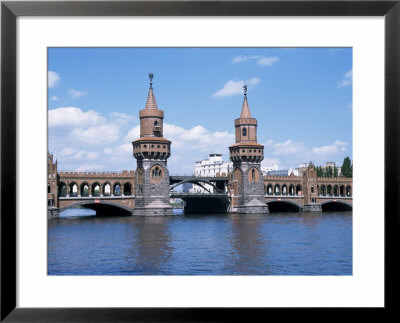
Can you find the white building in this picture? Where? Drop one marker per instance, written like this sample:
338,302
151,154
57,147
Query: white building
211,167
266,169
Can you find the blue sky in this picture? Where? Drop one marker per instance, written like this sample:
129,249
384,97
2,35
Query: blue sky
301,97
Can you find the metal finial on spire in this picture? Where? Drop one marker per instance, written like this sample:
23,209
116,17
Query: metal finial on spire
151,75
245,89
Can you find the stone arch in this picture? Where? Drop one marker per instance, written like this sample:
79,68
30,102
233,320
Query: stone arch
298,190
96,189
156,174
127,189
107,189
270,190
278,205
342,190
117,189
105,204
322,191
348,191
85,189
284,189
62,189
329,190
337,205
253,175
335,190
291,190
73,189
277,189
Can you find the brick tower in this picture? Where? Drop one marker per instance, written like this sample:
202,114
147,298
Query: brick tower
246,155
151,151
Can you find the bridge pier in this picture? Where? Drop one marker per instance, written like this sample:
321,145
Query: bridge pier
53,213
312,208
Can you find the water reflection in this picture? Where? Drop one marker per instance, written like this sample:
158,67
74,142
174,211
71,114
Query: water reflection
150,245
249,246
213,244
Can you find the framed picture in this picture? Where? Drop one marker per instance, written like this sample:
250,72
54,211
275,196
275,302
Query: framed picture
31,31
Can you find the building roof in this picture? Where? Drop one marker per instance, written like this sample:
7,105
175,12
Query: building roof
151,103
245,109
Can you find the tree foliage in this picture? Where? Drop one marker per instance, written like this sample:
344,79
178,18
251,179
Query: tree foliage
347,167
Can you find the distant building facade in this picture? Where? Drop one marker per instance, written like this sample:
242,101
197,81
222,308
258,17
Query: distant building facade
266,169
212,166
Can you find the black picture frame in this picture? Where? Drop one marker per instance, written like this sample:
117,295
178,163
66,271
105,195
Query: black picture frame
10,10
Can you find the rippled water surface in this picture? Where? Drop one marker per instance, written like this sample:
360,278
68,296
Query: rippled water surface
274,244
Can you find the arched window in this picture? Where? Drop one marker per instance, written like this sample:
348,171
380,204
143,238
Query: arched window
84,189
244,132
269,189
253,175
117,189
127,189
156,172
155,123
96,189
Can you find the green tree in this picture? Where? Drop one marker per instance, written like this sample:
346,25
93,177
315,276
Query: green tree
347,167
329,172
335,172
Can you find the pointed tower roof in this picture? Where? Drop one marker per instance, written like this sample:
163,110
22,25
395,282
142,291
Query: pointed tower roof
245,108
151,103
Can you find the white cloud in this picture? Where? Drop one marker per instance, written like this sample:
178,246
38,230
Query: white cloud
260,60
52,78
54,98
75,93
97,135
72,116
337,146
294,152
288,147
235,87
267,61
347,80
67,151
270,162
122,117
133,134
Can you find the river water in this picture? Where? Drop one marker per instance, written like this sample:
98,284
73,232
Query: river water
208,244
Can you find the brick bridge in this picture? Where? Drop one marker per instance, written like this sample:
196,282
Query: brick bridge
105,191
99,191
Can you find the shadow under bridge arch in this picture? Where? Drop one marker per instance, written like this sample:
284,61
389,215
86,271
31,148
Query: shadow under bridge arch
336,205
280,205
102,208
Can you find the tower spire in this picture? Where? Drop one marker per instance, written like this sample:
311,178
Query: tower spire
245,108
151,103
